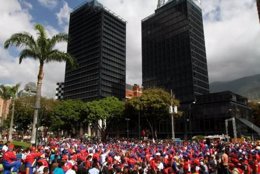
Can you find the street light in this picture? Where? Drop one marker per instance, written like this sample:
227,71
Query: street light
173,110
188,128
127,130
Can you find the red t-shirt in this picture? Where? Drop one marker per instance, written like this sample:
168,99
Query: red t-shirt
9,156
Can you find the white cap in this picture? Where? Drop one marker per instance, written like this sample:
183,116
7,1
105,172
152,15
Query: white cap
158,154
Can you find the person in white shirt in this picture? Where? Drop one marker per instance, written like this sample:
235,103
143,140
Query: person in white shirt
70,171
94,169
40,168
5,148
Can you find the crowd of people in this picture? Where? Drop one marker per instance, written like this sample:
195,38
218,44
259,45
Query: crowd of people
71,156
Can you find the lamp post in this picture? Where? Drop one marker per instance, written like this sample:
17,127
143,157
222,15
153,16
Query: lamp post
173,110
189,119
127,129
186,127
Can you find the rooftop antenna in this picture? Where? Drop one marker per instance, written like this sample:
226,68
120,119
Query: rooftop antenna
160,3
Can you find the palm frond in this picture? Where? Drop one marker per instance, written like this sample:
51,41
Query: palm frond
59,56
14,90
59,38
21,39
62,37
41,31
5,92
42,40
28,53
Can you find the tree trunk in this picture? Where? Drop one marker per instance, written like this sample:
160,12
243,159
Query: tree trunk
81,129
4,112
12,123
37,104
151,127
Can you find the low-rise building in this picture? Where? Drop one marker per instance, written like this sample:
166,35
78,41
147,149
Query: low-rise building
133,91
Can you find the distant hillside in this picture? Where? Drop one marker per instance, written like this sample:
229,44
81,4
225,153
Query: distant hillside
246,86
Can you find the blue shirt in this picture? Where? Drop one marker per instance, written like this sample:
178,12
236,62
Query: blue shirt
58,170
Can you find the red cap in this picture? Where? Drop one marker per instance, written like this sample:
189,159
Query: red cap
10,146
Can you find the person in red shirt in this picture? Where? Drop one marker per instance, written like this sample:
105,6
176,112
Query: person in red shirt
156,163
10,163
30,161
88,163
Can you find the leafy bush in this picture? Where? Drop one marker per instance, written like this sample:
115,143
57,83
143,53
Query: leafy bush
21,144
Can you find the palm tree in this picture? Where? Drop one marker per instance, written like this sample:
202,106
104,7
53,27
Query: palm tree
42,49
9,93
14,91
5,94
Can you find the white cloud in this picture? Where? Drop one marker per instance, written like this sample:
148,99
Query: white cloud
64,14
14,19
48,3
232,42
26,4
11,72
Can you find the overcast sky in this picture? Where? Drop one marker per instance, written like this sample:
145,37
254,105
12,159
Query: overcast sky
231,27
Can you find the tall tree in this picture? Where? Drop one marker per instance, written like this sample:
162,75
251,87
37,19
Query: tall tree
113,109
67,115
23,113
8,93
42,49
5,95
14,91
154,104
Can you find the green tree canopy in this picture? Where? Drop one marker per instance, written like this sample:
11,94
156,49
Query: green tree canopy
66,114
24,107
154,103
23,113
6,93
153,100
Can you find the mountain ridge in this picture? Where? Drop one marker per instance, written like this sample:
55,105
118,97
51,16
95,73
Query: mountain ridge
248,86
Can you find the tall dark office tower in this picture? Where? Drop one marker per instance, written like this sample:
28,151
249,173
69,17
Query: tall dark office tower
258,8
173,50
97,39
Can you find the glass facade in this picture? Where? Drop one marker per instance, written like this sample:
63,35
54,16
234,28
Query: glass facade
97,39
211,110
173,50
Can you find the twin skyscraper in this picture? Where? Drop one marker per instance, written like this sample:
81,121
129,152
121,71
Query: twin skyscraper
173,52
